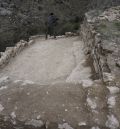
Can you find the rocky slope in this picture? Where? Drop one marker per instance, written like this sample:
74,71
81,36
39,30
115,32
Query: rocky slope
102,4
19,19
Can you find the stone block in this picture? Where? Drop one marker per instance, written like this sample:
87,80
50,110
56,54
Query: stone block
69,34
30,42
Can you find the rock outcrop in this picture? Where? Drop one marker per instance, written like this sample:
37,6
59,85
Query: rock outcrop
102,43
101,36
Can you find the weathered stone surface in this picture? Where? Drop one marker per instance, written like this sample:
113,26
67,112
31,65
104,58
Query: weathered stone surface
11,52
99,33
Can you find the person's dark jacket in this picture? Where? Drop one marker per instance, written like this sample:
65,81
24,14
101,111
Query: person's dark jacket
52,20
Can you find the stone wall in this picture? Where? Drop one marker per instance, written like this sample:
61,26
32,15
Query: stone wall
101,36
11,52
102,43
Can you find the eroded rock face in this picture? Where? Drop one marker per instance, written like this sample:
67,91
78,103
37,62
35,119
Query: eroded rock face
101,40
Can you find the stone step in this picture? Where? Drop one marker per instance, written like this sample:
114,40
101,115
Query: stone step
58,103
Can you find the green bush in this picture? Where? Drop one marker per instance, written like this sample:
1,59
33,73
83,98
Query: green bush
103,25
68,27
117,24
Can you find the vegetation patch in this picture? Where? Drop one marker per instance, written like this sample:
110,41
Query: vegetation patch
109,29
117,25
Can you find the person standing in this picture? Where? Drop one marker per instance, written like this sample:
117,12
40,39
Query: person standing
51,25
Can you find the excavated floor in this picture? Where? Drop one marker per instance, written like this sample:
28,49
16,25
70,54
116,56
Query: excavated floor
48,85
44,62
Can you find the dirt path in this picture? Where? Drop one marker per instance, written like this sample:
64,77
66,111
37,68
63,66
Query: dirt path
49,82
46,61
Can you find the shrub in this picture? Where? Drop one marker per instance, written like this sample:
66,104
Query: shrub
68,27
117,24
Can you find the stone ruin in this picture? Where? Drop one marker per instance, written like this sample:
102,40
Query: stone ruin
101,48
11,52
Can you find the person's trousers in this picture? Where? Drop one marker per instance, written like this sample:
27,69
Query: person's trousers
51,31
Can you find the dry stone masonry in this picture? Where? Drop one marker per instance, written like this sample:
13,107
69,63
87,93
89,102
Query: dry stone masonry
11,52
102,42
101,35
